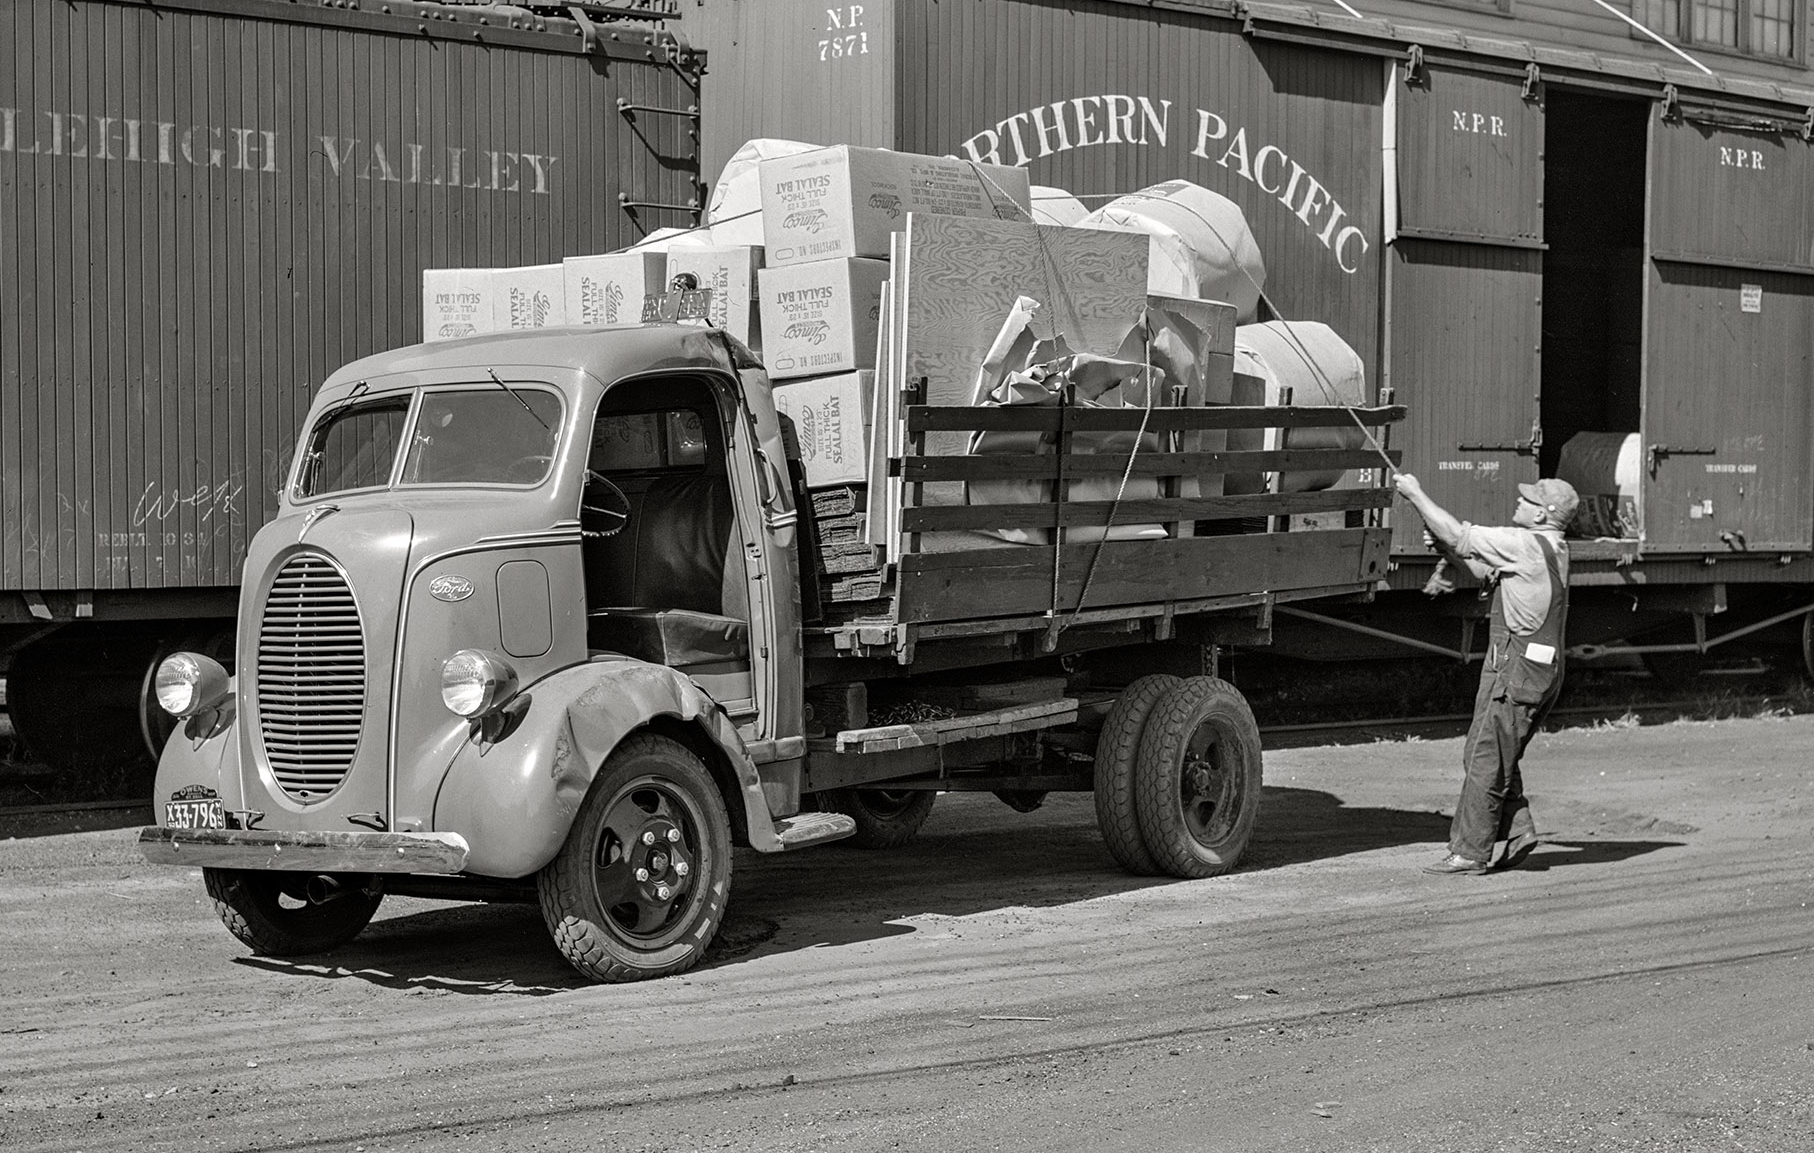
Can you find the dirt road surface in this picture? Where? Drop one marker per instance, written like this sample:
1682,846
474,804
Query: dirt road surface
1643,984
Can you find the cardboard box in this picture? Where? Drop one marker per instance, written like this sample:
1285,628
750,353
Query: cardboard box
842,202
831,419
456,302
609,289
730,272
534,296
821,317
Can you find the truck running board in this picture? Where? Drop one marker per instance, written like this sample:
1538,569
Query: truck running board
805,829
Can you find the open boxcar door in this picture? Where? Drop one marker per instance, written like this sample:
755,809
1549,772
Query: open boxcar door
1464,281
1729,335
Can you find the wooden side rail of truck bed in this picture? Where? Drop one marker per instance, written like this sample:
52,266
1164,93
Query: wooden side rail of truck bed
989,543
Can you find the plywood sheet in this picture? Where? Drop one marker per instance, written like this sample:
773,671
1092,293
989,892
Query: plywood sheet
963,276
957,280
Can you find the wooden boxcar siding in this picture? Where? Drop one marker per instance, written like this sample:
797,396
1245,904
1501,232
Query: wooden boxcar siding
1466,320
968,65
162,325
1731,195
1739,385
772,70
1470,156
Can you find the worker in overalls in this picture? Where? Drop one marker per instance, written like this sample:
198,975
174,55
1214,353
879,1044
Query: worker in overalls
1526,566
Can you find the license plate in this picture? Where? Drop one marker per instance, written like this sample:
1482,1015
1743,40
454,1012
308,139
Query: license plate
203,814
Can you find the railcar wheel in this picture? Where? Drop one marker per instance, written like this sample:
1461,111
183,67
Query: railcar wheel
886,818
640,886
1117,750
1807,644
273,912
1198,778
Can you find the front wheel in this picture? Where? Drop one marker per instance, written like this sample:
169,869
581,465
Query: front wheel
1198,778
886,818
275,914
640,886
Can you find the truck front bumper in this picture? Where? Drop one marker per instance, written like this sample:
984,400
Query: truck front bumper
308,852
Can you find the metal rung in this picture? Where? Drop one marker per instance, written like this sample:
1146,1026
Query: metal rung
691,111
624,202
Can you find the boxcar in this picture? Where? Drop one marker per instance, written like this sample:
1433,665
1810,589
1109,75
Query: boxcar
207,205
1525,239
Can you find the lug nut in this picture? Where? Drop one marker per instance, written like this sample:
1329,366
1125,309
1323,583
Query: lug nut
662,892
673,836
642,874
648,837
681,868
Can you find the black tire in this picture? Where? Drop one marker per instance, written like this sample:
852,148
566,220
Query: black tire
886,818
1117,750
654,809
1198,779
270,913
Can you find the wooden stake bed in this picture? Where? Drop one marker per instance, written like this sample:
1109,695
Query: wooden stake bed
953,574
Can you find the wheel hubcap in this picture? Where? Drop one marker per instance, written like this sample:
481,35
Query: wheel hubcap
1209,786
646,861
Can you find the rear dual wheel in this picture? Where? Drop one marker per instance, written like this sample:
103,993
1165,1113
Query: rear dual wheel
1117,755
1192,782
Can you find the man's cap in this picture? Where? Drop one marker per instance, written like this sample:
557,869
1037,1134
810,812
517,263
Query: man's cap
1556,496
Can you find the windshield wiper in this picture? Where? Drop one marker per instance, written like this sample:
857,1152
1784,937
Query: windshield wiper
491,372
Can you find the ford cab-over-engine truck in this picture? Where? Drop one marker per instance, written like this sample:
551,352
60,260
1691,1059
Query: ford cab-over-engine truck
530,624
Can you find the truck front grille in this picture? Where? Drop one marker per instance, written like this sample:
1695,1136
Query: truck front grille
311,677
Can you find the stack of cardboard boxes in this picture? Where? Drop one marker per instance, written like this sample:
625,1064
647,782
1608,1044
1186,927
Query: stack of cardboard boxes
800,281
827,216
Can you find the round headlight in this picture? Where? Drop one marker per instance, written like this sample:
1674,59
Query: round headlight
474,682
189,683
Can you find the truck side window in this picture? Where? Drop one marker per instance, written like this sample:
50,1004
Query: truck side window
353,446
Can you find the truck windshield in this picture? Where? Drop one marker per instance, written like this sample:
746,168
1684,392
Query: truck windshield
354,446
484,435
467,435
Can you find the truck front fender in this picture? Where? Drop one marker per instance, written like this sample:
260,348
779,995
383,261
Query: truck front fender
514,798
202,754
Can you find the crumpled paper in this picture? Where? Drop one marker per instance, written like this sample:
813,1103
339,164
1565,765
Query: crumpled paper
1014,372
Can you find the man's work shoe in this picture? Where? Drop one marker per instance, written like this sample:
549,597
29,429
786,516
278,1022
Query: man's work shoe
1517,849
1453,865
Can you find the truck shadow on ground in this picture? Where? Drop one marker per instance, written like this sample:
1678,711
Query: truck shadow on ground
973,856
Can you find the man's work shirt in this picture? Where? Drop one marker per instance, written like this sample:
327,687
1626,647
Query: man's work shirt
1512,556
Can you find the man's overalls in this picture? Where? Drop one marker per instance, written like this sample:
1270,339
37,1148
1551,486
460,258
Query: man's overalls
1515,695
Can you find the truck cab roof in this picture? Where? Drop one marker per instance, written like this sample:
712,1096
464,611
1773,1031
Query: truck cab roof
606,353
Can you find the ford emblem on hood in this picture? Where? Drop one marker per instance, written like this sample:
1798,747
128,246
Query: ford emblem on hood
450,588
